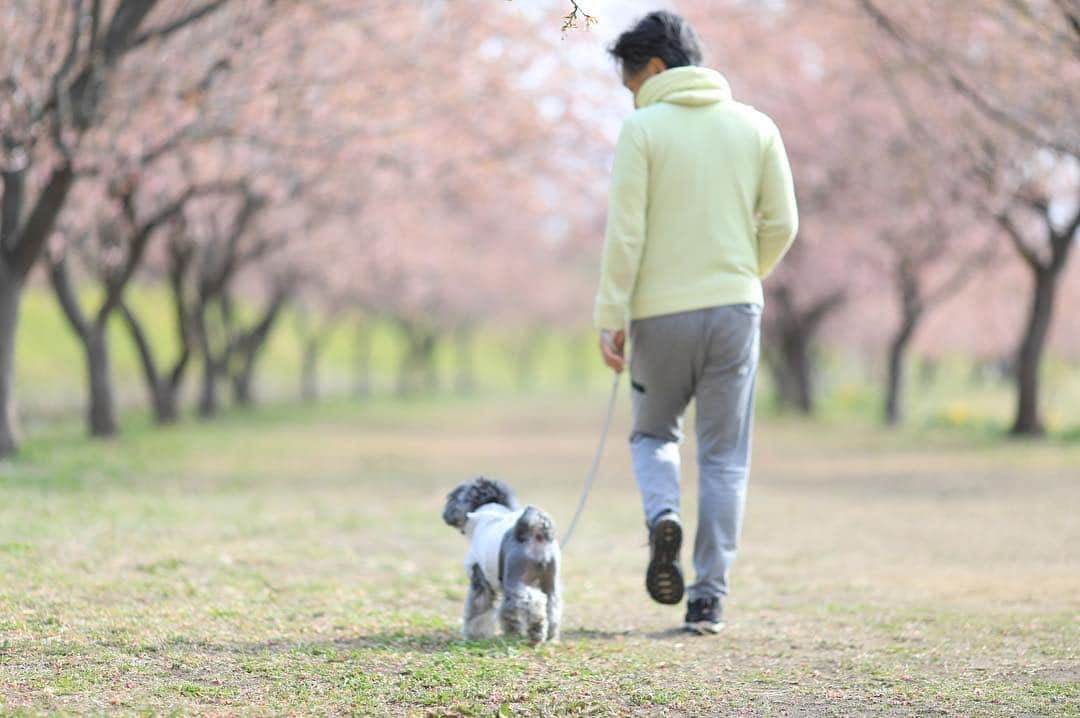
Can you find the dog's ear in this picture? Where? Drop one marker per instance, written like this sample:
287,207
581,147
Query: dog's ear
491,491
454,513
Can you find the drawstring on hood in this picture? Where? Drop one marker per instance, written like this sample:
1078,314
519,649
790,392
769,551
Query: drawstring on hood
689,86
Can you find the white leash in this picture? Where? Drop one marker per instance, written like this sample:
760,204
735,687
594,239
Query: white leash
596,460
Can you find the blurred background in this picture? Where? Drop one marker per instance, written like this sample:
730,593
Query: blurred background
214,203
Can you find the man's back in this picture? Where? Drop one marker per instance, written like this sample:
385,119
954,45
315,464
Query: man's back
702,198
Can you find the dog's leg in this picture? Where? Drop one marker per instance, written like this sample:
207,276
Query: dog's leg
512,612
554,614
523,613
553,590
538,618
479,622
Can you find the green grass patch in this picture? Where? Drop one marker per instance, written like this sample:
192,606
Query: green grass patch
292,560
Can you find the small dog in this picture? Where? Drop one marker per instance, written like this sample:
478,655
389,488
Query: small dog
512,551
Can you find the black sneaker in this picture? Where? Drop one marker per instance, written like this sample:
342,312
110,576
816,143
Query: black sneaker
664,579
704,615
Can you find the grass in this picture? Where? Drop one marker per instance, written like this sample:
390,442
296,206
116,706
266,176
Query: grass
291,561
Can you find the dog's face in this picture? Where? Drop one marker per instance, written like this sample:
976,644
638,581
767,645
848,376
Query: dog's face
471,495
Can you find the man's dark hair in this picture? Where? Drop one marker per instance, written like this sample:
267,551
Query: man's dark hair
660,34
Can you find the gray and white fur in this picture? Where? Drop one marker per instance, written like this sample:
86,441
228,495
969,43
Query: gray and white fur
512,552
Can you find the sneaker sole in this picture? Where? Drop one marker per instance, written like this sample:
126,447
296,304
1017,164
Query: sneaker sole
703,628
664,579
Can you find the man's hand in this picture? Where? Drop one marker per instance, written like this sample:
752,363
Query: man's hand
613,349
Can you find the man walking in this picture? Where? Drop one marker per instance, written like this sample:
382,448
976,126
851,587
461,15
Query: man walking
702,208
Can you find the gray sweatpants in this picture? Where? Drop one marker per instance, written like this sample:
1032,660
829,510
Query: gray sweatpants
710,355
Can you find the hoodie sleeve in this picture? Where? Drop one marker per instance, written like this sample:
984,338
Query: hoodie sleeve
778,216
625,237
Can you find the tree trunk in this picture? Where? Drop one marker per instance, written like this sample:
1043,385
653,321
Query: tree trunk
427,366
1045,276
792,370
788,357
465,378
417,369
102,409
928,371
248,346
309,370
906,276
167,405
802,373
209,404
897,354
407,384
10,294
164,393
790,340
364,384
242,384
526,360
93,334
1029,358
241,374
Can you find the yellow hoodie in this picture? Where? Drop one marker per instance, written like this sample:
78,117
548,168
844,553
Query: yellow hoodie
702,204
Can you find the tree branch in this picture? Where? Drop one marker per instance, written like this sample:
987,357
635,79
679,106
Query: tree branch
1017,239
140,238
180,260
262,249
95,26
214,283
125,23
820,309
577,13
985,107
164,31
59,101
117,40
146,352
1063,241
14,191
1072,19
249,341
185,135
60,278
39,224
964,273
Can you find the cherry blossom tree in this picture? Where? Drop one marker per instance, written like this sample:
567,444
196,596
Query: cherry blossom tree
60,62
111,251
1016,65
468,222
917,189
164,381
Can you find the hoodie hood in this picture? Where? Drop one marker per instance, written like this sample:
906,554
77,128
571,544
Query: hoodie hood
688,86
